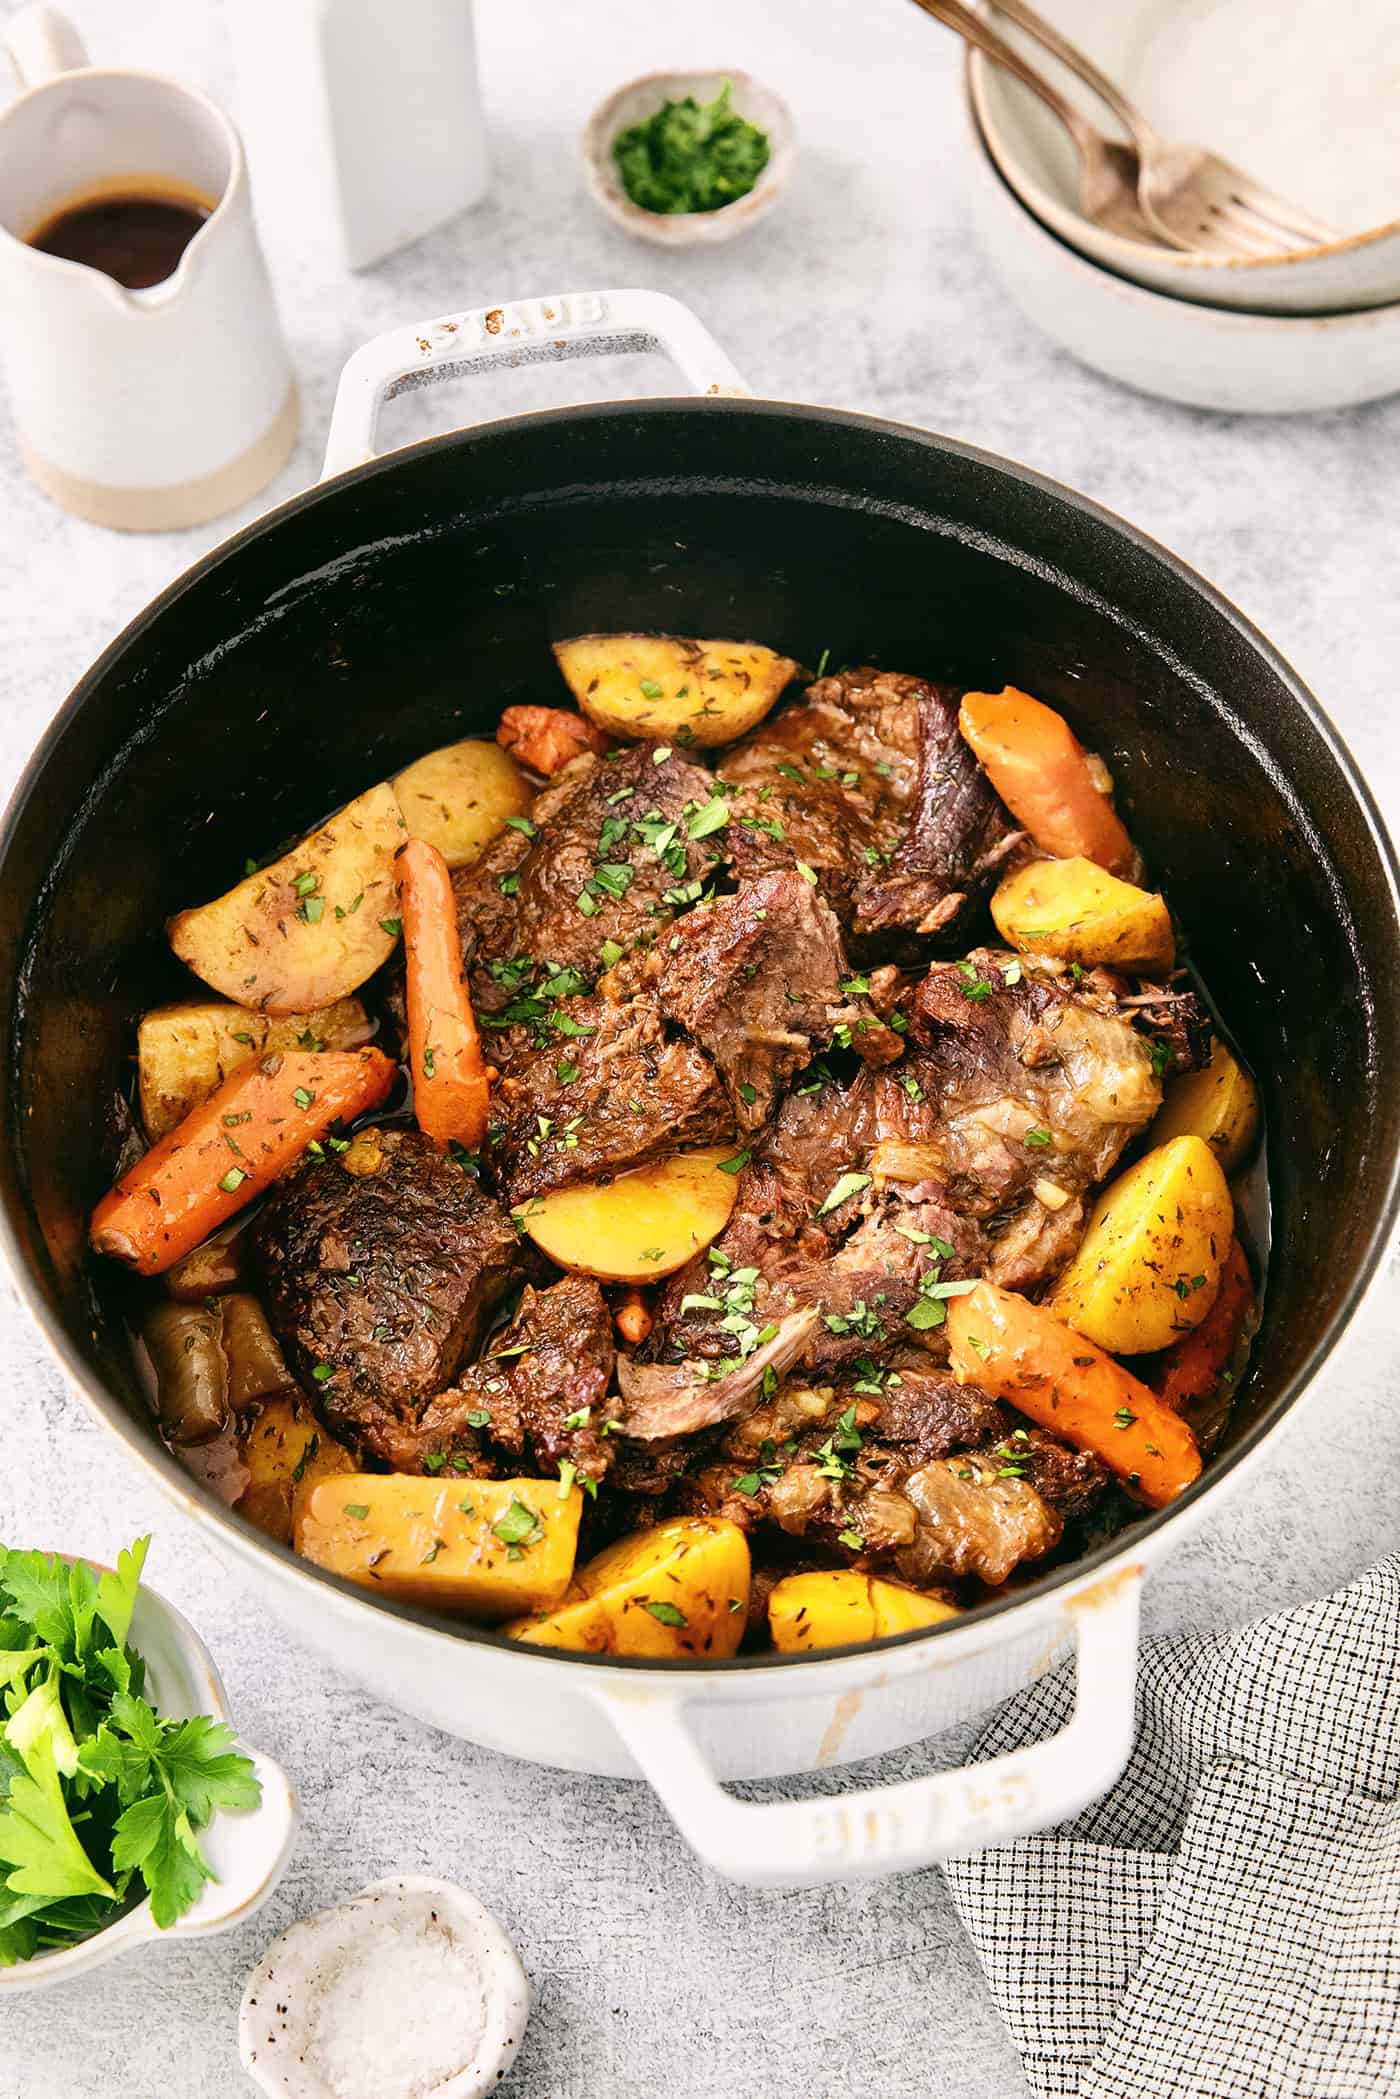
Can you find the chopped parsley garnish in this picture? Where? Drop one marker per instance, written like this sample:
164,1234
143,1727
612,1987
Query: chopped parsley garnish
524,826
806,873
566,1073
518,1525
611,953
852,1539
710,817
322,1372
311,909
972,985
302,1098
1124,1417
737,1164
650,689
392,926
665,1613
233,1179
477,1417
358,1509
1161,1058
1038,1137
849,1184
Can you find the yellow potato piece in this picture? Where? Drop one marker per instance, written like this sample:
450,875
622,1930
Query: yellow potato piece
489,1548
1219,1104
1148,1267
185,1052
680,1588
1081,913
460,797
311,927
287,1453
579,1623
834,1609
640,1226
700,692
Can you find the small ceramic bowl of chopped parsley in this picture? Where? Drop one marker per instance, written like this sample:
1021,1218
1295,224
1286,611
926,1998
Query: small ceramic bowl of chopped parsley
689,159
128,1811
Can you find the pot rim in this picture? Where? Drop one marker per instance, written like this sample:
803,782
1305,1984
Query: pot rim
1145,1539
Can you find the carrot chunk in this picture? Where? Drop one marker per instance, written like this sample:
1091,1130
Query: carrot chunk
451,1085
231,1147
1189,1371
1043,774
546,738
1024,1355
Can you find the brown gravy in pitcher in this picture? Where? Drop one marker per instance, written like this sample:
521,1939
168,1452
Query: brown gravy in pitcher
134,229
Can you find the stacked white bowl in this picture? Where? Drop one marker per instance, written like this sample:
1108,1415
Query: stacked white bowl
1303,96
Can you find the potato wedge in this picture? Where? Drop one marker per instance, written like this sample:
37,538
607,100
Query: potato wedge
489,1548
1080,912
1148,1267
460,797
286,1453
639,1226
681,1588
1220,1105
579,1623
832,1609
699,692
311,927
185,1052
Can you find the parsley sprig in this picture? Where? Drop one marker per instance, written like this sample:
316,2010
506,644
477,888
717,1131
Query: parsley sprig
100,1798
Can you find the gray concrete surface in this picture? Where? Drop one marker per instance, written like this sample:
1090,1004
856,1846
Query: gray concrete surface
865,291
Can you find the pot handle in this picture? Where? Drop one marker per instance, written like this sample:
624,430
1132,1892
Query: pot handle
896,1829
532,331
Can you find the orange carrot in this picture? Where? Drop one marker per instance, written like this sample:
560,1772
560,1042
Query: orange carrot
231,1147
546,738
1189,1371
1043,774
450,1079
1024,1355
632,1316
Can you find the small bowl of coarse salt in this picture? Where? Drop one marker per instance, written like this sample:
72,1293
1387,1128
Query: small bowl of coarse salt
411,1990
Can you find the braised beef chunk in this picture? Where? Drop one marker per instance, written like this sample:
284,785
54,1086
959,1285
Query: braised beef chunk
972,1517
827,782
537,1395
1176,1023
540,1389
613,847
612,1094
880,1289
760,981
1031,1084
378,1282
957,838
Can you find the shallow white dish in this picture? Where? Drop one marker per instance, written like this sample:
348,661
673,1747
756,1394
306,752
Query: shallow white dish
247,1850
1304,100
327,1970
1206,356
634,102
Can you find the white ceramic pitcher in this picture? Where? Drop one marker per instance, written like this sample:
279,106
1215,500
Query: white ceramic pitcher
153,409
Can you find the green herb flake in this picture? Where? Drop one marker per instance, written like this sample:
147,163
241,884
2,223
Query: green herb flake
851,1539
612,953
665,1613
806,873
233,1180
849,1184
523,825
737,1164
1038,1137
322,1372
517,1526
302,1098
392,926
358,1509
650,690
477,1417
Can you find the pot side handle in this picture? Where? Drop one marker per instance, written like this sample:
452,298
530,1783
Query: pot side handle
897,1829
532,331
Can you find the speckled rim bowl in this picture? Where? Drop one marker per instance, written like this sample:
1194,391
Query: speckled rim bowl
634,102
1036,159
1205,356
247,1848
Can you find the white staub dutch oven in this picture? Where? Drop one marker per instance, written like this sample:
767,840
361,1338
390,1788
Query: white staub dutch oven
409,599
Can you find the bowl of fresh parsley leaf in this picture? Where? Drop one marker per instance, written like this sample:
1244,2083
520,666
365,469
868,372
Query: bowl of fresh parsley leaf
127,1809
688,159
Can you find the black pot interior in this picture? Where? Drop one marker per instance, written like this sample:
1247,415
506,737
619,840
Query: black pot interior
410,603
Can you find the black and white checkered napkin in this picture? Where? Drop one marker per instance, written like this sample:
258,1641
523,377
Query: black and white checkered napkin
1225,1924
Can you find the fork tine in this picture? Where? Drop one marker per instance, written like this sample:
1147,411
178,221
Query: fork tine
1249,219
1239,233
1276,211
